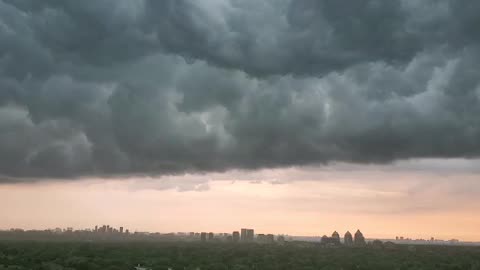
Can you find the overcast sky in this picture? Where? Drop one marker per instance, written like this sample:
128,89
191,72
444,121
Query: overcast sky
306,103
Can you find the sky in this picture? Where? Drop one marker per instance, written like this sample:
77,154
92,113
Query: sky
288,116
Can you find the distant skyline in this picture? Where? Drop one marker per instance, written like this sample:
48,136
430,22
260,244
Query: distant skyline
287,116
384,201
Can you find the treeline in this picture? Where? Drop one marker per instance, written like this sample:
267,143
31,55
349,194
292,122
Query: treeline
185,256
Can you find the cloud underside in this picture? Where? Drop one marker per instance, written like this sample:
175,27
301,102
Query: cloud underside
138,87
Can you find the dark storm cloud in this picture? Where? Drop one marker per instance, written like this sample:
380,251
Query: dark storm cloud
121,87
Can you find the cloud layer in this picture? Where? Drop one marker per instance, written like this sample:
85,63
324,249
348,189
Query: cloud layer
129,87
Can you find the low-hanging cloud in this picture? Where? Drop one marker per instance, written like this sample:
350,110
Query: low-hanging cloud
134,87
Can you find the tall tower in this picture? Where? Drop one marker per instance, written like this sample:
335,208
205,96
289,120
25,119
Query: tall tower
335,237
236,237
243,235
348,239
250,235
359,240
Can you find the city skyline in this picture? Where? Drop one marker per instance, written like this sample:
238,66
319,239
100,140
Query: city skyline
243,234
420,204
112,233
288,116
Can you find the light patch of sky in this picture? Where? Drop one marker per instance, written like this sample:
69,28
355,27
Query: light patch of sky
310,201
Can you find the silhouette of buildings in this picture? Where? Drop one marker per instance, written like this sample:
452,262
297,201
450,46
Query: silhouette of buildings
336,237
270,238
250,235
247,235
261,238
265,238
359,240
108,233
243,234
107,229
348,239
333,240
235,237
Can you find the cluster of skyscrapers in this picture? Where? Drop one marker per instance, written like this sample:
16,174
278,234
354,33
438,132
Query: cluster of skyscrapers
357,240
244,236
108,229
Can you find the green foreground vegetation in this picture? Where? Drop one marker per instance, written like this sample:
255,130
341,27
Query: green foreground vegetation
126,255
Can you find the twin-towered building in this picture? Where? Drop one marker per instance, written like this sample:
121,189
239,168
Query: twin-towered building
247,235
348,240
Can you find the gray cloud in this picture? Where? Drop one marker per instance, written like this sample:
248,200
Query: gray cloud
110,88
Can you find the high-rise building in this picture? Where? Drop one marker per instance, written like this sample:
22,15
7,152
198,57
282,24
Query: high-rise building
359,239
250,235
335,237
348,239
121,229
96,228
243,235
203,236
210,236
247,235
235,236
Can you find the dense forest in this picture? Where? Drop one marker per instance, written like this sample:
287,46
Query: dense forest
195,255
